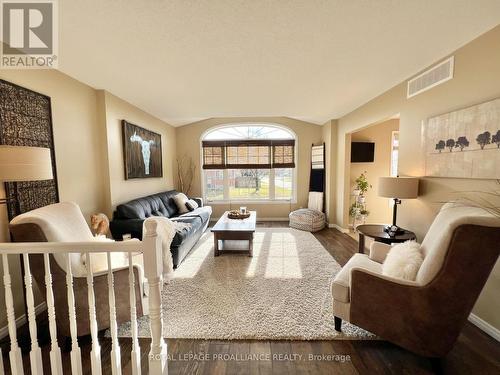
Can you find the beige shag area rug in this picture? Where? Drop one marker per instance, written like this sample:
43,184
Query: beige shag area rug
283,292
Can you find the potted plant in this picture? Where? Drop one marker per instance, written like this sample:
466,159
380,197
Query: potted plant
358,210
362,184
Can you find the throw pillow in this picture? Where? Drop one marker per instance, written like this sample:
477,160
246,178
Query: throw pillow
191,205
403,261
180,201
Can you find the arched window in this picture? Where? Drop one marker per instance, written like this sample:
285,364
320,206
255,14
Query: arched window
248,162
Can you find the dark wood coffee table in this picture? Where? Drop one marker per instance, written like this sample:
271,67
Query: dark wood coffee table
376,231
234,230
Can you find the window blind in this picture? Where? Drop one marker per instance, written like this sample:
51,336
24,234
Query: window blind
214,155
249,154
283,153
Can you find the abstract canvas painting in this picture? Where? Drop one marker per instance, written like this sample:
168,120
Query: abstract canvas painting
142,152
464,143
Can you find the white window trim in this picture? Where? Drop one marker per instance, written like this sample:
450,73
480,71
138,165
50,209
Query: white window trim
394,133
271,199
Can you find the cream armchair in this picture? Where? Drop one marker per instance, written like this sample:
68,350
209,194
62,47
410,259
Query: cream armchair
425,315
64,222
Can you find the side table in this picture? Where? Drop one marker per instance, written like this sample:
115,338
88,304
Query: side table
376,231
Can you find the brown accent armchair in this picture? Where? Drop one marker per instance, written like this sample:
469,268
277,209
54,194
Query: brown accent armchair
424,316
64,222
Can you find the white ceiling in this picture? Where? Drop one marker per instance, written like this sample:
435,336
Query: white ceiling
186,60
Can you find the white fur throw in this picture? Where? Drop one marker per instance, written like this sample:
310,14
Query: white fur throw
403,261
180,201
165,228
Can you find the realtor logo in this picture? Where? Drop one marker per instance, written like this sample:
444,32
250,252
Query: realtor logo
29,34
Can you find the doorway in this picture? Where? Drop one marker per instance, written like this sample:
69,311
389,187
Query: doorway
374,154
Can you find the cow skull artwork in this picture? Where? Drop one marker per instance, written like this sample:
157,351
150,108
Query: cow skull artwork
145,148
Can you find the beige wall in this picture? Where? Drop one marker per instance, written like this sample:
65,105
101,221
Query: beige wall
188,143
89,155
77,147
120,190
381,135
476,79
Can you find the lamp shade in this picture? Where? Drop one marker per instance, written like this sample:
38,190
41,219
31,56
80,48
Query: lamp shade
23,163
398,187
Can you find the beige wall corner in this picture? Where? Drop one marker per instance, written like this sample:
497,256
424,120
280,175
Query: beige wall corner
381,135
476,79
101,117
78,150
122,190
88,147
77,137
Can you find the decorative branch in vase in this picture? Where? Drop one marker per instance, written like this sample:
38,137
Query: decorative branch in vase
487,200
185,173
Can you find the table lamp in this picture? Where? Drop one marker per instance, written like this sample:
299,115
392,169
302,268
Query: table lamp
24,163
397,188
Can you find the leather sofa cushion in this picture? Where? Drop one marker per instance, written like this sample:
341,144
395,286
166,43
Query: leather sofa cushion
160,204
168,201
341,283
195,225
196,218
203,213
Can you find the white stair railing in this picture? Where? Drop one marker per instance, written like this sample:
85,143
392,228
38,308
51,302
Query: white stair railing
115,345
153,270
36,352
95,353
150,247
135,354
16,360
76,355
55,351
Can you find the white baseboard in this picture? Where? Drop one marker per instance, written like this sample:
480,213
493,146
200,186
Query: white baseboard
485,326
21,320
339,228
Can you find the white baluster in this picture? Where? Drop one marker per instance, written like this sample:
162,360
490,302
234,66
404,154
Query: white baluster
136,351
55,352
16,361
115,345
2,370
153,267
95,354
76,357
36,352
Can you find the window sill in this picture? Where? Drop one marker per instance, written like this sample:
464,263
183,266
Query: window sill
252,201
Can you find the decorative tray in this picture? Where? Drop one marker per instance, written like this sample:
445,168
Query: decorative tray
237,215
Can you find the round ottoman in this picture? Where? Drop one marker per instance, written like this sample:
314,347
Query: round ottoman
307,219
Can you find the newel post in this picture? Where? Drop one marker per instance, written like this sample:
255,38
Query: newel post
153,269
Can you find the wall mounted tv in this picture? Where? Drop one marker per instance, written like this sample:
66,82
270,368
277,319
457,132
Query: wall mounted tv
362,152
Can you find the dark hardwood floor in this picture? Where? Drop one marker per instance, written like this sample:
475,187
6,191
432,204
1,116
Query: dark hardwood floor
474,353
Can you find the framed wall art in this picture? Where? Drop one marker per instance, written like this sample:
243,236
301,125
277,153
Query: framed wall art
142,152
464,143
26,120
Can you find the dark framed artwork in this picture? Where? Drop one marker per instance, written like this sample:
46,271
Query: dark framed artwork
26,120
141,152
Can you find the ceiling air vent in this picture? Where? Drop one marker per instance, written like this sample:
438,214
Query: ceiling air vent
436,75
